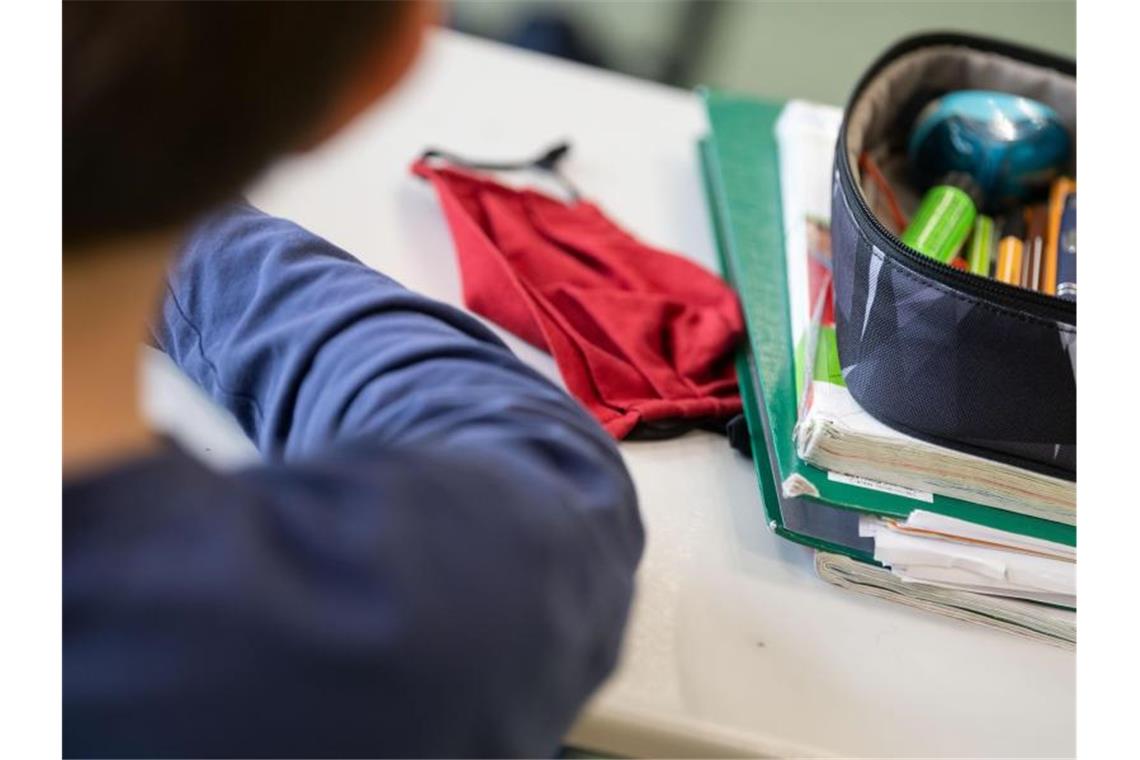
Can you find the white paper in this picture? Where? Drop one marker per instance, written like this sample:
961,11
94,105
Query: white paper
921,519
931,559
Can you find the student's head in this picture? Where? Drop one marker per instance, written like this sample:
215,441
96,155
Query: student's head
171,107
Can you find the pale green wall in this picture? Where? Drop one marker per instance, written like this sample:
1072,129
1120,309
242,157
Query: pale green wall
783,48
816,50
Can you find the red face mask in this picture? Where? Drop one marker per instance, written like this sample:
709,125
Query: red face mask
643,338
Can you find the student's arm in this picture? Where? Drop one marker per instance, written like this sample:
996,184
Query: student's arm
476,525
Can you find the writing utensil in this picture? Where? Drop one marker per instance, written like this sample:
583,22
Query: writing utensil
883,187
1058,192
999,225
1037,223
1026,249
981,245
1066,286
1010,249
941,223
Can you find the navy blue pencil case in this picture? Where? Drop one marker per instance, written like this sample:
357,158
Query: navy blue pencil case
957,359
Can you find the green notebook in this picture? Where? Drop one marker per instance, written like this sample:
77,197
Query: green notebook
741,172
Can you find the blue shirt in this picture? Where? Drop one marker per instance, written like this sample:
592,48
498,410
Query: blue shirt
436,557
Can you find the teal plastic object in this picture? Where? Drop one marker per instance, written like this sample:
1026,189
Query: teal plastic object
1011,146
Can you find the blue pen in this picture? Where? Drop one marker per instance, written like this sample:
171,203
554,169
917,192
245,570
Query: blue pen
1067,251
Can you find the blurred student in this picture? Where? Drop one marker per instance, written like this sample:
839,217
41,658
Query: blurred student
436,557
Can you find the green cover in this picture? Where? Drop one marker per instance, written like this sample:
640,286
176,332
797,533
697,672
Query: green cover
741,166
753,411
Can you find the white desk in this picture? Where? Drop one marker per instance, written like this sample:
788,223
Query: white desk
735,647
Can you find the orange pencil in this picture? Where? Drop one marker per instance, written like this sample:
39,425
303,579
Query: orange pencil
1062,186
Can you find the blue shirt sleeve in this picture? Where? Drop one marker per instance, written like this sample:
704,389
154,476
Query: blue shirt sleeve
436,558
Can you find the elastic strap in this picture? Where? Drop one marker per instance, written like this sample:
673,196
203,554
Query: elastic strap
547,161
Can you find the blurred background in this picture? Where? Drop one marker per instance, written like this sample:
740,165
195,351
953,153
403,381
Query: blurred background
811,50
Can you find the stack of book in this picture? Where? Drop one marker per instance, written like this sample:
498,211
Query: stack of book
888,514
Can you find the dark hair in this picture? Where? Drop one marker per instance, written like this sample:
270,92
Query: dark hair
171,107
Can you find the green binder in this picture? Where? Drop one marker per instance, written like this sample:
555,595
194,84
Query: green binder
740,167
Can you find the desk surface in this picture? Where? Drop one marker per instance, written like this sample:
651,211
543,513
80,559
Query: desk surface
735,646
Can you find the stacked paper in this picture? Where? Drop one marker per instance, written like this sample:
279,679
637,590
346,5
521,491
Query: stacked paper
948,553
889,515
934,561
1053,625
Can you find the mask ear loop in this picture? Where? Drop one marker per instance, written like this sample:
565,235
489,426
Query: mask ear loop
547,161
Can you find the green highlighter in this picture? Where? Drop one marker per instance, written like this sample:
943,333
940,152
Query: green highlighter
981,246
942,223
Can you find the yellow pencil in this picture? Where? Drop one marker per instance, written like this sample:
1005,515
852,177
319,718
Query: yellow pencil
1010,251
